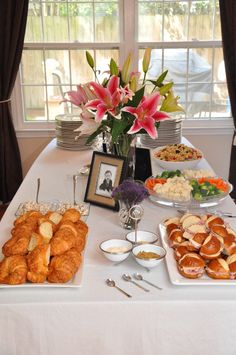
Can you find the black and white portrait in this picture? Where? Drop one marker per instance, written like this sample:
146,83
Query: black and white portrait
105,180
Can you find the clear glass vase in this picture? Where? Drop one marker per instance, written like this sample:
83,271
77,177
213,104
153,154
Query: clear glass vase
125,220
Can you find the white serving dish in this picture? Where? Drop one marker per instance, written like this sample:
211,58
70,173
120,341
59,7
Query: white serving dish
152,262
175,165
176,278
116,243
143,237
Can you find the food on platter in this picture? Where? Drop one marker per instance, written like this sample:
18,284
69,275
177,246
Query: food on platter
174,186
197,174
51,207
43,248
218,269
191,265
202,245
178,152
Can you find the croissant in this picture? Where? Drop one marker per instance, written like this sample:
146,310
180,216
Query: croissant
63,240
38,259
72,214
63,267
13,270
16,246
36,278
69,225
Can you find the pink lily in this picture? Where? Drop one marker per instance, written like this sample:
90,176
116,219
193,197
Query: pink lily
146,115
107,98
126,94
79,97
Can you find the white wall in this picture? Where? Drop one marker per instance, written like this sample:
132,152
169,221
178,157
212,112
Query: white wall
216,149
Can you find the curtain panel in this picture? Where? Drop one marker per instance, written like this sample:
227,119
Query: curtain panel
228,25
13,17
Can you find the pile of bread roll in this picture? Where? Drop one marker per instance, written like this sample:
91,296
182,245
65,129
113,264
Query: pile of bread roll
202,243
44,248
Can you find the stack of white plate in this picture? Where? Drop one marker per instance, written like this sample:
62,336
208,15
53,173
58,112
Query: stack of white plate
66,135
169,132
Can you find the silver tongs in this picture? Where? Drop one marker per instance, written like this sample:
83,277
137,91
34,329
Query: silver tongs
219,213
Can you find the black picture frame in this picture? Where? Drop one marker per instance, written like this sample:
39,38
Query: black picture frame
107,171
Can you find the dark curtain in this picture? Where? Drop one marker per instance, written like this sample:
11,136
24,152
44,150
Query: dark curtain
13,16
228,25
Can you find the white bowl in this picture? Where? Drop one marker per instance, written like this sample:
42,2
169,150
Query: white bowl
175,165
116,256
143,237
152,262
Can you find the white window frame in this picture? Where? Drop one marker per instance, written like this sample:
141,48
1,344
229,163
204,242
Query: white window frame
128,44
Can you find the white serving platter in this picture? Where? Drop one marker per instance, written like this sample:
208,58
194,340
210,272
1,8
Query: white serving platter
176,278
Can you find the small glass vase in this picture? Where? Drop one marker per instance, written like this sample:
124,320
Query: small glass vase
125,220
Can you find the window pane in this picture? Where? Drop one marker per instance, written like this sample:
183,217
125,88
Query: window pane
175,21
80,70
201,20
57,67
217,29
55,23
103,58
106,22
219,66
32,67
34,24
220,101
81,22
150,21
34,103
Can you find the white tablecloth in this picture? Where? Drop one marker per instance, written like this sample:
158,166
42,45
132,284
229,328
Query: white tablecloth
95,319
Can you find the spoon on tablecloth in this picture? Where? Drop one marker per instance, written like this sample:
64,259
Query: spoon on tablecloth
129,279
139,277
112,283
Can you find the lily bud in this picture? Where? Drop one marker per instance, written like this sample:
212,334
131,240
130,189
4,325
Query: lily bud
146,59
134,84
125,72
114,70
90,59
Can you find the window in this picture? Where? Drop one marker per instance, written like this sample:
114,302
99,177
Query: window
185,37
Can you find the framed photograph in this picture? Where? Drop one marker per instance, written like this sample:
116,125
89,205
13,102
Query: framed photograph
107,172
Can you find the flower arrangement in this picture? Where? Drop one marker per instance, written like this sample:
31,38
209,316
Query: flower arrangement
130,193
120,105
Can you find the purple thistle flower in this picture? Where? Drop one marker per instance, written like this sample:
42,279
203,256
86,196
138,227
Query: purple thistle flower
130,192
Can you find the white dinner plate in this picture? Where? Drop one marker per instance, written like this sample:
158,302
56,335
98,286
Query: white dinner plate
176,278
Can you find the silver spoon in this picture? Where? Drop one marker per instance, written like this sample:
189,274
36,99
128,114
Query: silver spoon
112,283
128,278
37,193
138,276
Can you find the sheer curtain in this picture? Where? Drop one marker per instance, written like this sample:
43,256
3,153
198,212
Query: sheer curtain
13,16
228,25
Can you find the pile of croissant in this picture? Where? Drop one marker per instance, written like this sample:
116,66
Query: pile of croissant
44,248
203,244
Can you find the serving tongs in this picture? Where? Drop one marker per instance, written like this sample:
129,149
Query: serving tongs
37,192
217,212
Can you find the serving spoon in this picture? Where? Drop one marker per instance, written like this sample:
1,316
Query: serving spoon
112,283
139,277
129,279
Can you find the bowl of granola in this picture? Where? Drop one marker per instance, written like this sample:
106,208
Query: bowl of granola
177,156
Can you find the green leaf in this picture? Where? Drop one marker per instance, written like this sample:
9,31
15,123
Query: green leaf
161,78
121,126
94,135
159,81
114,70
90,59
136,98
165,88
